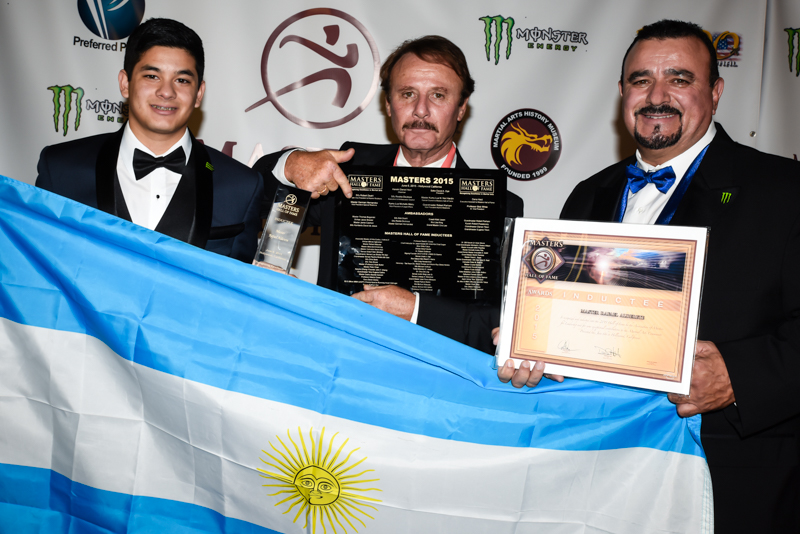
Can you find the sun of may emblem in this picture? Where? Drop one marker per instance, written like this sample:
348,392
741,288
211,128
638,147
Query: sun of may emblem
319,482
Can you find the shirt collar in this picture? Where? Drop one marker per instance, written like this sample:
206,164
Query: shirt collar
681,163
130,142
403,162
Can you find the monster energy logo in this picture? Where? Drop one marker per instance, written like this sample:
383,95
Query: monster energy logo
67,90
726,197
793,49
497,22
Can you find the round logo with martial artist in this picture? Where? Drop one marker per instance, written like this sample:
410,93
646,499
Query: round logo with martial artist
526,144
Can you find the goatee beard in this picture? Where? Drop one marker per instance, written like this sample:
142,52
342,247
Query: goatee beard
658,140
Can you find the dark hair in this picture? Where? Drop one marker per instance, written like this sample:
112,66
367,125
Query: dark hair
163,32
433,49
676,29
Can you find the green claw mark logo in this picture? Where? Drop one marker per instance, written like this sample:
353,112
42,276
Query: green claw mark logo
497,22
793,50
67,90
726,197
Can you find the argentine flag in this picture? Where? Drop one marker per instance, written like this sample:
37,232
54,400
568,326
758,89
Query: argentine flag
150,386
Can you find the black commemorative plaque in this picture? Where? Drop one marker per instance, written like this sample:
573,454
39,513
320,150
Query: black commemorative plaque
437,231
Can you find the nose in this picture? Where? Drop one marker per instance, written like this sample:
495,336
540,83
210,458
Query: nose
421,110
166,90
659,93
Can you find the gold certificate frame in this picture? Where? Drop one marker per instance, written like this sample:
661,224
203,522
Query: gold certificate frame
616,303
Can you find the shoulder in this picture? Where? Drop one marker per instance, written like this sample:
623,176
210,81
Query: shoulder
230,167
77,148
370,153
605,177
750,167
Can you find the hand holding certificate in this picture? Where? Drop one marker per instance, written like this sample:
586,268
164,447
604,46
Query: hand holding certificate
608,302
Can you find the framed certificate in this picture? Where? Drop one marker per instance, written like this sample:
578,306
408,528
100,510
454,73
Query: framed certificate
610,302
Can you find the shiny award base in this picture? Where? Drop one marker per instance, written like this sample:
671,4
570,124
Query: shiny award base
284,226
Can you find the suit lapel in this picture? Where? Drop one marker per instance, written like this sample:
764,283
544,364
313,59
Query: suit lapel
713,189
109,194
607,198
188,216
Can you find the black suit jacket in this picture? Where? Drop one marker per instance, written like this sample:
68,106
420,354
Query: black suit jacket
213,209
751,310
466,323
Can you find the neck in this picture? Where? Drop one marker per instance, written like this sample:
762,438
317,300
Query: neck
420,158
156,142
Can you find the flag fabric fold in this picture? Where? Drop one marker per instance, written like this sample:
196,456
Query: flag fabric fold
150,386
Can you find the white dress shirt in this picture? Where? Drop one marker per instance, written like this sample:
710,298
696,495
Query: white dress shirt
645,206
147,199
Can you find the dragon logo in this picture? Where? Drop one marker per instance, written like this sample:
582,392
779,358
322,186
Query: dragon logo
526,144
514,141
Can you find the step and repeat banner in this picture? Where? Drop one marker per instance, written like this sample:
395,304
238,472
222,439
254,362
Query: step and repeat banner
306,74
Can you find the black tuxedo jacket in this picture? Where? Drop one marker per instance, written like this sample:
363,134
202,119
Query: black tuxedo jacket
751,310
466,323
216,205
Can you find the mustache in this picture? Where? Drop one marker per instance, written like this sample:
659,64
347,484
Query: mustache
663,109
419,123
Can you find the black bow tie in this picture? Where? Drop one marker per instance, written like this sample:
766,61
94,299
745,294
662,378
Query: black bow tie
144,163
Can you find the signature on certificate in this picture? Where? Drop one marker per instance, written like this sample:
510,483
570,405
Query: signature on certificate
608,351
564,346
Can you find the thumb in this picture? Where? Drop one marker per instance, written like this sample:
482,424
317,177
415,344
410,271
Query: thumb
368,287
340,156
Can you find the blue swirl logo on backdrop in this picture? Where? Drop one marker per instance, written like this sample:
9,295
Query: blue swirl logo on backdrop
111,19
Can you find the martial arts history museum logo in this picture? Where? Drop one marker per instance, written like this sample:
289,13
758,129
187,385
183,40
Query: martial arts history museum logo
318,482
526,144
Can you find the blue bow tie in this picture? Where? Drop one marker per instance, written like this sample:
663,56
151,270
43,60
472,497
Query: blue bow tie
637,178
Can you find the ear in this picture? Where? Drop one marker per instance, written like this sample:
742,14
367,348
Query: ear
388,106
716,93
123,83
200,92
619,85
462,109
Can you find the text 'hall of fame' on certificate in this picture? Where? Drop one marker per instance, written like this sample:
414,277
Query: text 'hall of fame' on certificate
616,303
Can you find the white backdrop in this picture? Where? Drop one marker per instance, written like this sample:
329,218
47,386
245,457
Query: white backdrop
41,47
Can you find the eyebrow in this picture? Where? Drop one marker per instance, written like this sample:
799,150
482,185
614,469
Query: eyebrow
683,73
153,68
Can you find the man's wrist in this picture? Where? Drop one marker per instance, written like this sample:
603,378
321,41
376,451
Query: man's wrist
280,167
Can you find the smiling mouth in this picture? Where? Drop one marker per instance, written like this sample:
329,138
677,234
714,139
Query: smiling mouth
658,112
163,108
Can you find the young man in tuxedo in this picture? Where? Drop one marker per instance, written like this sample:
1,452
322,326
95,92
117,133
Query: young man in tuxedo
152,171
687,171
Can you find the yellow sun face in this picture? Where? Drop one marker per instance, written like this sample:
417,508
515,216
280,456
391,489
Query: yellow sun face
319,485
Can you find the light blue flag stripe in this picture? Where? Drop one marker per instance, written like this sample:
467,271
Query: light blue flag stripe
180,310
45,501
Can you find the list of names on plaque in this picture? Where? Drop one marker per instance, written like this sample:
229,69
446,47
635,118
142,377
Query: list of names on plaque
429,230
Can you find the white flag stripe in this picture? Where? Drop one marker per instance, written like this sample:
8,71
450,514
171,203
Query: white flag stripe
105,420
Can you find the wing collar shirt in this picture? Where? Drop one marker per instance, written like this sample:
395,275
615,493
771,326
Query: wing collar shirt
147,199
645,206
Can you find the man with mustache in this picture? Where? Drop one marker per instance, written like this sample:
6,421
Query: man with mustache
427,85
687,171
